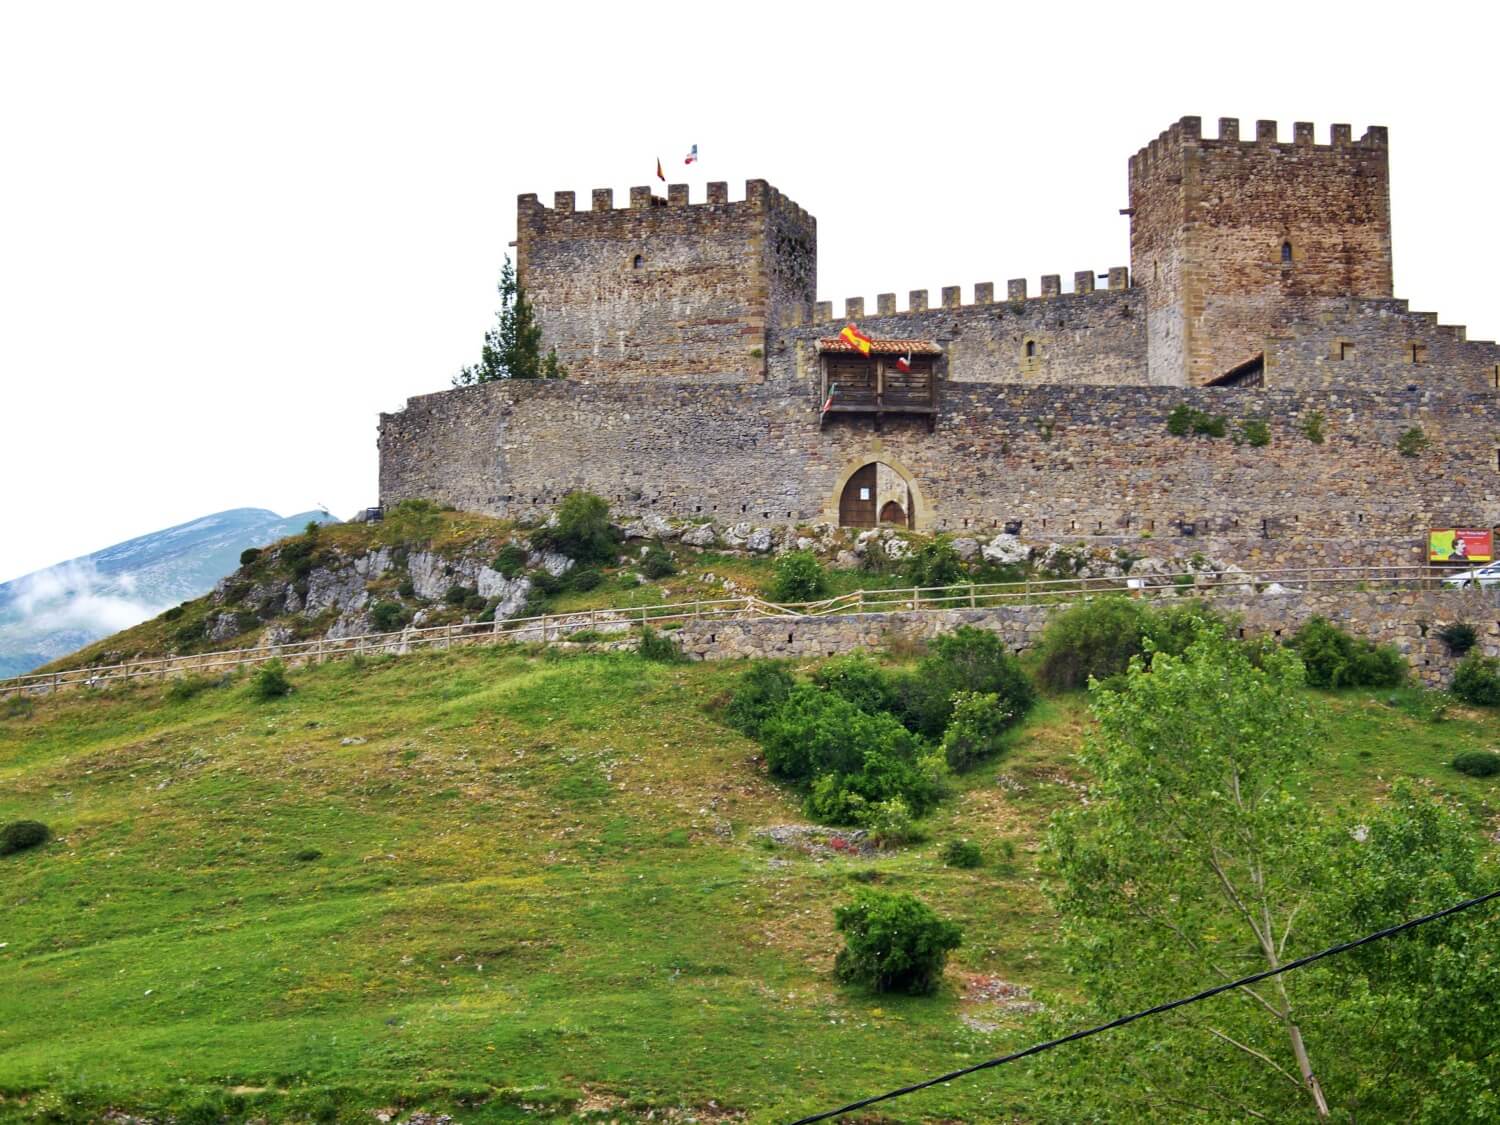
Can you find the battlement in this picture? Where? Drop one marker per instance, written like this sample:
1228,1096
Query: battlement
759,195
1189,131
951,297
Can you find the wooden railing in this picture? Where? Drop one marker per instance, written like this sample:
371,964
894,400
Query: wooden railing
613,621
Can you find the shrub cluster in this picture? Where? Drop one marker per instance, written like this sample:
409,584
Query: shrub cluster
1097,638
656,646
962,853
1185,419
1478,763
872,747
582,530
1477,680
269,681
1255,432
799,578
19,835
511,560
893,943
1334,659
387,617
1459,636
658,563
935,563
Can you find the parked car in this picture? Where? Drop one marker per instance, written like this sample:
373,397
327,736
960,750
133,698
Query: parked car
1482,576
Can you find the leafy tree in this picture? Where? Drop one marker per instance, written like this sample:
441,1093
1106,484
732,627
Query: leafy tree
513,347
935,563
582,530
1197,859
976,731
966,659
859,680
758,695
893,943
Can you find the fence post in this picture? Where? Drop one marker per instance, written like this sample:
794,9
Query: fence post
56,682
973,602
916,597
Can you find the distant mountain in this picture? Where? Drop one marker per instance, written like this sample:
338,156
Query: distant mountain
52,612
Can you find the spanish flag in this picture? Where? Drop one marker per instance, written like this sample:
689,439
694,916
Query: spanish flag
853,336
660,175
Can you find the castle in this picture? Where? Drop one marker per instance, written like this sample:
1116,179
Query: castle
706,381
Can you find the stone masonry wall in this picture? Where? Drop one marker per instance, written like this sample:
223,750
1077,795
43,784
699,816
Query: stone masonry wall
664,287
1221,211
1410,621
1087,336
1068,463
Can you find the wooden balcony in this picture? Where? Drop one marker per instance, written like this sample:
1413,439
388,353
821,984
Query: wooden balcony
874,385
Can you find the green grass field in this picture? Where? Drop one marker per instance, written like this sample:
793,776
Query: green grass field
511,886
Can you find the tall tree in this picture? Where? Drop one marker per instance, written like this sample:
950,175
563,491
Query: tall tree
513,347
1198,858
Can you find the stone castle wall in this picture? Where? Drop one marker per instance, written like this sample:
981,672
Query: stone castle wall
1067,463
1410,621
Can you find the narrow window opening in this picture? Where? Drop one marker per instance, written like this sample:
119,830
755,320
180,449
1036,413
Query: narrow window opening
639,262
1286,253
1418,353
1497,460
1346,349
1030,349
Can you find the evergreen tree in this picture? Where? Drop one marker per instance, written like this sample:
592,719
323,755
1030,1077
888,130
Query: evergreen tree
513,347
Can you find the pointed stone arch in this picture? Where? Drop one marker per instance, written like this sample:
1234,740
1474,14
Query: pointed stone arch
920,515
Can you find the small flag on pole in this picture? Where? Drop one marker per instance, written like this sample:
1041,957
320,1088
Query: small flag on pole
828,405
660,175
692,156
903,363
853,336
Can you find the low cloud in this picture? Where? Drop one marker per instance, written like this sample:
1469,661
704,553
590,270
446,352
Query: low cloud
76,596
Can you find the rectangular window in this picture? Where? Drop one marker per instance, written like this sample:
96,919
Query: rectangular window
1417,353
1346,349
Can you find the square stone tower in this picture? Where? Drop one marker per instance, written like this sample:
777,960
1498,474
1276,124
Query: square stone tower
1233,239
665,287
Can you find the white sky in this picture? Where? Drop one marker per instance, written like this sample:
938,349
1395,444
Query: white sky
231,236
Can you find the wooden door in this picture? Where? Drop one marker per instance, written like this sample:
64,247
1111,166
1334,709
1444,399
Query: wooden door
857,504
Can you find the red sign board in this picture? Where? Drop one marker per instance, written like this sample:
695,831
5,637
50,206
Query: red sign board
1460,545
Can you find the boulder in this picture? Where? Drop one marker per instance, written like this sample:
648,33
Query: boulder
897,548
222,626
737,535
1006,550
700,536
553,562
341,589
513,600
967,548
846,560
355,623
759,540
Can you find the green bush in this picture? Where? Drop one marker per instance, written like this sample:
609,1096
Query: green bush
19,835
935,563
962,853
656,646
184,688
658,563
799,578
893,943
966,659
387,617
1312,426
17,706
1184,420
546,583
757,696
888,822
410,523
511,560
1459,636
475,604
1477,680
582,530
860,680
584,578
1255,432
407,588
1334,659
1412,442
174,613
269,681
1478,763
249,555
307,855
1090,639
458,594
976,731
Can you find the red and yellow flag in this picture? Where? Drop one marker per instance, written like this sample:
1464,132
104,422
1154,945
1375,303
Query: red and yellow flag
852,335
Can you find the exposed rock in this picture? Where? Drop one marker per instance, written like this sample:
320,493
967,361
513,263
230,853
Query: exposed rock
967,548
343,590
554,563
650,526
897,548
846,560
759,540
700,536
431,575
354,623
513,600
1006,550
374,563
276,635
491,583
222,626
806,544
737,535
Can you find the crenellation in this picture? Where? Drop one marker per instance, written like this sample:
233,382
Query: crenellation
1376,136
718,191
641,197
1015,289
677,195
1265,132
984,293
953,297
1338,136
563,201
1051,285
1229,129
1119,277
854,308
822,312
885,304
916,300
1302,132
1083,282
604,199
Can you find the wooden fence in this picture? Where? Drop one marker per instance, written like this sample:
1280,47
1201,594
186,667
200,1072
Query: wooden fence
613,621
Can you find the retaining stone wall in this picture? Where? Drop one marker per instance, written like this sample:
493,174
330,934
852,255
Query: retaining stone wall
1408,620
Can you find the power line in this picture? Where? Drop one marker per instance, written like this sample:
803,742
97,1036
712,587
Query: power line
1167,1007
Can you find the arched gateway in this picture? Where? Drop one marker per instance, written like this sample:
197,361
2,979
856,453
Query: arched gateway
875,493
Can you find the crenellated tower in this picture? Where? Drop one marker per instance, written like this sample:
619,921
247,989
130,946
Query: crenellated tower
665,286
1233,240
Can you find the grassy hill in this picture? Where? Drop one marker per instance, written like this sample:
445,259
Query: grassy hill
510,886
